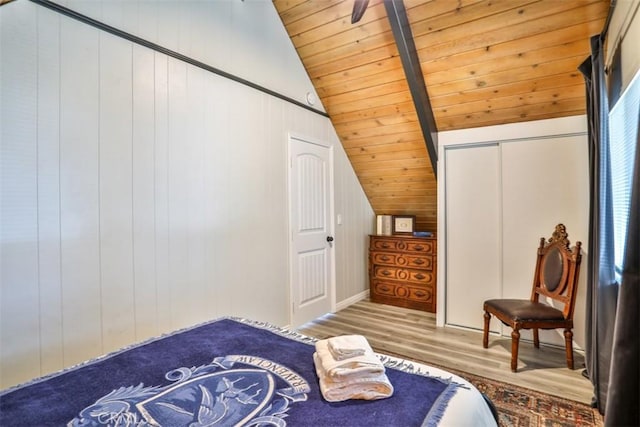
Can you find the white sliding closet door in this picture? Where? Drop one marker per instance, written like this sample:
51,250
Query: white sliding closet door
544,182
473,207
541,188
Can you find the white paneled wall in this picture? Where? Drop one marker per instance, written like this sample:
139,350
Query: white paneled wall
352,237
244,38
140,194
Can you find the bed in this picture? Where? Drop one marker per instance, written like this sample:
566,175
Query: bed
233,371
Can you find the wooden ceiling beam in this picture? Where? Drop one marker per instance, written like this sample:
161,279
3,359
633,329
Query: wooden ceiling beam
401,30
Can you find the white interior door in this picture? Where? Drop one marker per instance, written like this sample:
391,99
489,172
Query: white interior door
312,293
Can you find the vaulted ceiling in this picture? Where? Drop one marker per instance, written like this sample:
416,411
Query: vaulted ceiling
484,62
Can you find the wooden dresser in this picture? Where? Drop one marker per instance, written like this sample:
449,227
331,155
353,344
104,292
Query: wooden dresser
402,271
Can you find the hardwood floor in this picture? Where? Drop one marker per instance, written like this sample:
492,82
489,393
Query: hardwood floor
413,334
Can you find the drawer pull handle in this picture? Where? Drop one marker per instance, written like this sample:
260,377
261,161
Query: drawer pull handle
385,258
419,247
385,245
421,294
386,272
418,261
384,288
420,276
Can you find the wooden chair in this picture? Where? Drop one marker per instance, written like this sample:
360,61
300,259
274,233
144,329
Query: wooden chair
556,278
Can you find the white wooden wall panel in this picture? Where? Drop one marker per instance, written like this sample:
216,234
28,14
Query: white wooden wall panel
89,8
256,154
274,204
250,19
266,192
145,194
144,219
49,238
177,181
116,198
146,14
79,191
194,147
189,144
208,154
166,13
343,242
352,237
19,197
161,192
219,189
236,217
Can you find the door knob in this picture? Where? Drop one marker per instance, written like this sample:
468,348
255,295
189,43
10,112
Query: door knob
329,239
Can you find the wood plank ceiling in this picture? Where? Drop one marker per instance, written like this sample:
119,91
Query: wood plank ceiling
485,62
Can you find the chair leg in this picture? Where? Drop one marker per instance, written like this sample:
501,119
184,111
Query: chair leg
568,341
515,341
536,338
485,335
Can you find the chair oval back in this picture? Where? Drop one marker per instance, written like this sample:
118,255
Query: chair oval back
556,274
554,270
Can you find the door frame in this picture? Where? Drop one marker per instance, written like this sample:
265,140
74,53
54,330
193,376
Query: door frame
331,226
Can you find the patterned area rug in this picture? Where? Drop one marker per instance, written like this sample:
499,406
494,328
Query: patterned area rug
519,406
523,407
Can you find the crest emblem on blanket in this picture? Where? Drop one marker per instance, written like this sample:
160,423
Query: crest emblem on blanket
218,394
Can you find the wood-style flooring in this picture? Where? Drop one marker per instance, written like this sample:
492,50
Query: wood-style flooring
413,334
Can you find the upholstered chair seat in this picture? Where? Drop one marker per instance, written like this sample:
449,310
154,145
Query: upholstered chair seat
524,310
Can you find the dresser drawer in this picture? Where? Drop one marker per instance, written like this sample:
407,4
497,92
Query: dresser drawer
423,247
402,260
406,245
404,294
405,274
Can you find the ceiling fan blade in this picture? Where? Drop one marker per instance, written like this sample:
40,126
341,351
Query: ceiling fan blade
359,6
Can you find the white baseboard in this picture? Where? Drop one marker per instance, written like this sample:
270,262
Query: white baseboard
352,300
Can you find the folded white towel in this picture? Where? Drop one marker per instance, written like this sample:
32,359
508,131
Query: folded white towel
346,346
367,365
364,387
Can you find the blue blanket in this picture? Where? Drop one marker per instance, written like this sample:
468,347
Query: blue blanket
225,372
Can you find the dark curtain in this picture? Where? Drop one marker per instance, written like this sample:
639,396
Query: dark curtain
623,402
602,289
